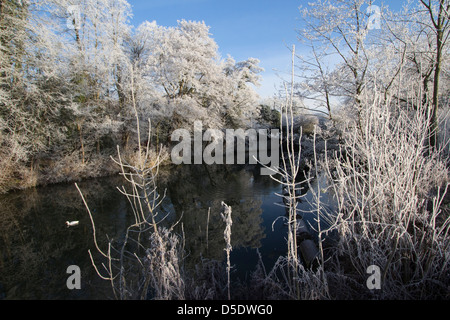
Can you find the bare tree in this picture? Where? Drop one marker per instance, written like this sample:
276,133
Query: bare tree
337,30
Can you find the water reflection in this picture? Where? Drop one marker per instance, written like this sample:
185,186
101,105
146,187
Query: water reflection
196,193
37,247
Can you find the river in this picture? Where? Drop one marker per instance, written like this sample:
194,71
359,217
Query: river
36,246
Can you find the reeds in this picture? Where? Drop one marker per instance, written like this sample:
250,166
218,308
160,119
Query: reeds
288,172
146,263
226,216
388,189
291,276
388,186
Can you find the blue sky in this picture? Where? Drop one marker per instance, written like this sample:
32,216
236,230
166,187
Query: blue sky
262,29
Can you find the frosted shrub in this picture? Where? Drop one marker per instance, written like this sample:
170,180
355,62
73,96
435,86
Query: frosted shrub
389,188
163,272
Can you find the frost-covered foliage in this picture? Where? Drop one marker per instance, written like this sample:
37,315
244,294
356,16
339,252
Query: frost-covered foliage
65,58
183,59
188,79
389,191
335,31
70,71
388,178
405,52
25,113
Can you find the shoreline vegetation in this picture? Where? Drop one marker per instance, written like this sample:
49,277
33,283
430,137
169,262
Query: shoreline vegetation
381,149
77,167
69,169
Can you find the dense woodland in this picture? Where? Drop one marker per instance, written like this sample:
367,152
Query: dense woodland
76,78
71,70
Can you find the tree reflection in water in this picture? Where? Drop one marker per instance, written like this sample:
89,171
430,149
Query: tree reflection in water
37,247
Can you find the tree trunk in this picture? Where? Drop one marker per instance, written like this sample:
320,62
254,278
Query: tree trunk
81,142
441,25
437,73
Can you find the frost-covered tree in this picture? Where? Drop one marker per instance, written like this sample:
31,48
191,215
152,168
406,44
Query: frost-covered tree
241,78
32,92
337,31
59,71
182,71
13,116
92,34
96,30
184,59
410,55
439,27
401,56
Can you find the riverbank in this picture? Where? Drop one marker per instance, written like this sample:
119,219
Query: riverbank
47,169
69,168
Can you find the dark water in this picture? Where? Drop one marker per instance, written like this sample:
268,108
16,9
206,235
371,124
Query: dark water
36,247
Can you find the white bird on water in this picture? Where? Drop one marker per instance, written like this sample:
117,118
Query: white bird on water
72,223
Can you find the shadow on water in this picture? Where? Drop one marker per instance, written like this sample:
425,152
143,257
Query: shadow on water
37,247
